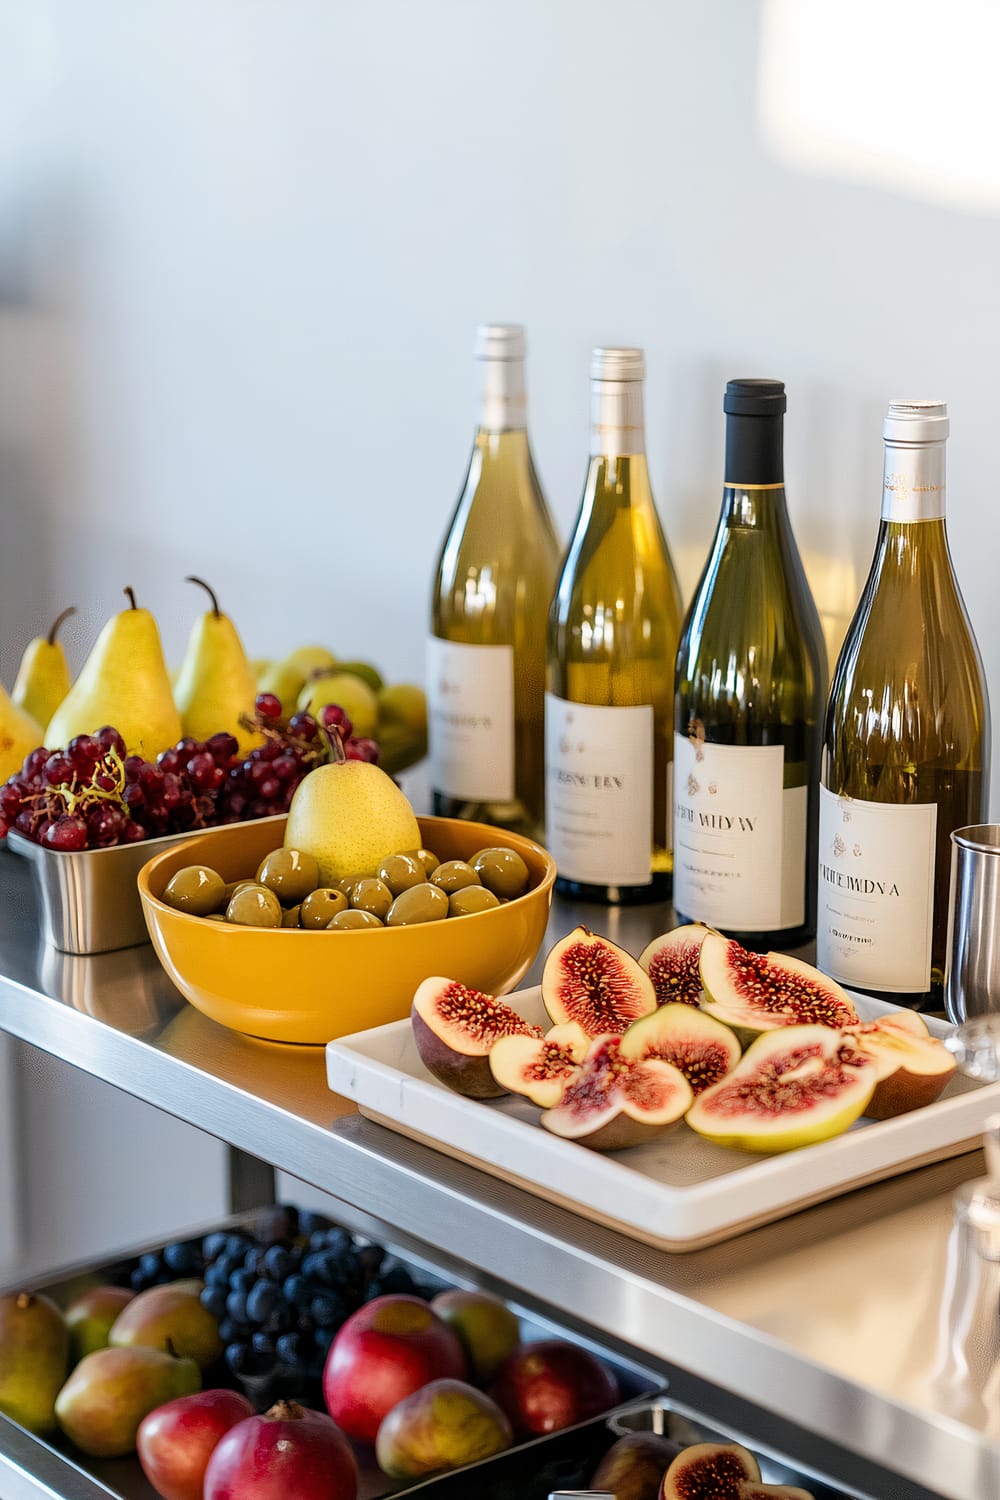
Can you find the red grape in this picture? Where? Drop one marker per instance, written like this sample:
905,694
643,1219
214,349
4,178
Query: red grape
268,706
67,834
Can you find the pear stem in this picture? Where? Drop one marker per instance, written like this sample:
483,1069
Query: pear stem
208,590
24,1301
131,596
331,733
58,621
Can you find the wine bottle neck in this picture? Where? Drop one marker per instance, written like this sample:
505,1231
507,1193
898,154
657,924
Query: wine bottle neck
504,404
913,482
617,428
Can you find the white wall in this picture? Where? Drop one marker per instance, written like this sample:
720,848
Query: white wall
244,244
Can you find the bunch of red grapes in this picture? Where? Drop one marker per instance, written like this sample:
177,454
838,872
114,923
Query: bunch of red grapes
92,795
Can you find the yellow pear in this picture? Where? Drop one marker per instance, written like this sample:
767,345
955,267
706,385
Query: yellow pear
350,816
286,678
124,683
352,693
43,678
34,1357
19,734
215,686
110,1391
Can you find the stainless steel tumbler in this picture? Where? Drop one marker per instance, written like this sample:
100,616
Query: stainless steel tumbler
972,962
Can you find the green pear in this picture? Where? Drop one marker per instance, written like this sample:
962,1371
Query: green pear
19,734
350,816
286,678
124,682
487,1329
43,678
402,726
365,671
34,1358
110,1391
216,687
90,1316
355,697
169,1318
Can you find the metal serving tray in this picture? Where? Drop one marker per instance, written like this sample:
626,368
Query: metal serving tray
123,1477
88,901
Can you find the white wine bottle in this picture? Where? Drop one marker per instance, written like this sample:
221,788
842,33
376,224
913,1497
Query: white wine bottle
613,632
751,686
494,580
907,740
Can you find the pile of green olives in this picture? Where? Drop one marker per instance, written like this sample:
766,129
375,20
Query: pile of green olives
405,889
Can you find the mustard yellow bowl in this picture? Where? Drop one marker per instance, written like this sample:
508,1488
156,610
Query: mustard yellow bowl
287,985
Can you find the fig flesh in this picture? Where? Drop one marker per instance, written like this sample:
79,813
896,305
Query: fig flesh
455,1027
793,1087
700,1047
916,1065
592,981
617,1101
721,1471
757,992
673,964
539,1067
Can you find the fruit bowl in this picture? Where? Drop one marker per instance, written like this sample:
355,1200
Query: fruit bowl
288,985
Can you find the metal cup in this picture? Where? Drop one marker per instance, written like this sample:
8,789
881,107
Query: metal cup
972,962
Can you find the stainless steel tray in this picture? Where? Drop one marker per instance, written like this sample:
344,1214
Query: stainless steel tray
123,1477
88,901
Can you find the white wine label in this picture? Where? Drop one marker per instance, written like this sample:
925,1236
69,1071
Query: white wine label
876,892
470,720
739,837
599,791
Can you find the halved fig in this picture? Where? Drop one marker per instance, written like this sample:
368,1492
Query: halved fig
791,1088
721,1471
702,1048
455,1027
915,1065
617,1101
539,1067
672,963
590,980
756,992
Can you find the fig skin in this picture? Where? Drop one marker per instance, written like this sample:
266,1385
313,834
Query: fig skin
633,1468
590,980
755,993
923,1064
454,1027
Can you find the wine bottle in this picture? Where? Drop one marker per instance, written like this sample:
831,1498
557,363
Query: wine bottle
613,631
492,586
907,738
751,687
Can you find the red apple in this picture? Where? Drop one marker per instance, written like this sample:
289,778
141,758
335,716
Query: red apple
176,1440
552,1384
383,1352
290,1453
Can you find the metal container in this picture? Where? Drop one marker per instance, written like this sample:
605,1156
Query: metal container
88,901
972,963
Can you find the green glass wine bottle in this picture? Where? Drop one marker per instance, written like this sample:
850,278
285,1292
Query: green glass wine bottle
751,687
613,632
907,743
492,586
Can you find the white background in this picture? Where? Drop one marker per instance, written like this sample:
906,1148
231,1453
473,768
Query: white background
244,245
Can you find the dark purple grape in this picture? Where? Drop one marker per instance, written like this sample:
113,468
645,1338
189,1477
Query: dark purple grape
35,762
278,1262
213,1299
184,1257
391,1279
269,787
222,747
323,1338
299,1290
328,1310
109,739
59,771
150,1264
241,1359
169,761
262,1298
137,1281
232,1332
105,823
293,1349
362,749
242,1279
134,765
204,773
304,726
68,835
133,832
84,752
236,1306
263,1344
281,1319
332,716
214,1244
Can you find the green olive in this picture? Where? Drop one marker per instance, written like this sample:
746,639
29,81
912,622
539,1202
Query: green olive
429,861
348,919
321,906
254,906
421,903
454,875
371,894
470,899
289,873
233,886
196,889
400,872
502,871
290,916
345,883
215,916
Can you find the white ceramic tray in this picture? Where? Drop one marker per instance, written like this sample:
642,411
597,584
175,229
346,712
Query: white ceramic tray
680,1192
